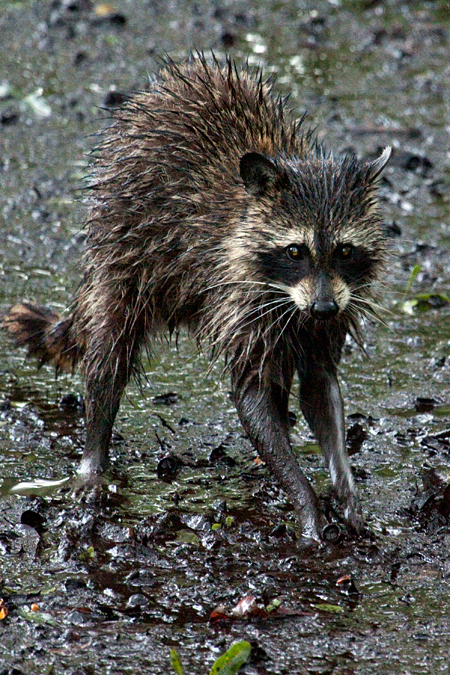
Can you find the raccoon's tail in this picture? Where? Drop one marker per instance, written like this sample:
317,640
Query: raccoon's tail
46,336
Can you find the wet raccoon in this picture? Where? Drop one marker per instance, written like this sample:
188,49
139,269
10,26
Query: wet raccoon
210,207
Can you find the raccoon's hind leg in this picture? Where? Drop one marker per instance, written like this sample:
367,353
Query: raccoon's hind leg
262,406
322,406
112,351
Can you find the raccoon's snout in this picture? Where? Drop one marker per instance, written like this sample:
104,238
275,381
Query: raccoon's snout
324,305
324,309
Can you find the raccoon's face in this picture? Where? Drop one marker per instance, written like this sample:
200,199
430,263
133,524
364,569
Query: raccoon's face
321,240
321,278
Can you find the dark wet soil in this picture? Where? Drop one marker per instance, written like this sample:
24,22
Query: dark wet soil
189,524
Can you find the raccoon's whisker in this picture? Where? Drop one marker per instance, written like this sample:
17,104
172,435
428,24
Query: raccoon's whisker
386,289
232,328
374,306
357,310
276,320
262,292
362,313
253,315
254,309
374,318
292,308
244,282
258,314
365,301
278,287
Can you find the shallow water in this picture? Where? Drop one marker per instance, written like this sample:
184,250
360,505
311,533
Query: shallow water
121,581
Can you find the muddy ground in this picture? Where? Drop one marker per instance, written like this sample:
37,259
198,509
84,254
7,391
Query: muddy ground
113,586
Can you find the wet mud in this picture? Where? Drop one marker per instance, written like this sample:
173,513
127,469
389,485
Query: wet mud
189,544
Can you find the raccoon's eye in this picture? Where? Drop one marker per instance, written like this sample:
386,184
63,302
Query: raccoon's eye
296,252
345,251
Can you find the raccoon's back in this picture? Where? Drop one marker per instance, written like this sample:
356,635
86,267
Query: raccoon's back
173,152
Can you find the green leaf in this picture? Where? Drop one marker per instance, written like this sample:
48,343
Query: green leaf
414,272
176,663
333,609
409,306
230,662
88,554
41,618
273,605
309,449
425,301
187,537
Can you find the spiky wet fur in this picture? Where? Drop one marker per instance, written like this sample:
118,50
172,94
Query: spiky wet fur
178,226
172,234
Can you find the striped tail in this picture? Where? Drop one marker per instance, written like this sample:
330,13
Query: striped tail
46,336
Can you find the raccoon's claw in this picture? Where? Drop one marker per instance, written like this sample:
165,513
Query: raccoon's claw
88,487
312,524
353,514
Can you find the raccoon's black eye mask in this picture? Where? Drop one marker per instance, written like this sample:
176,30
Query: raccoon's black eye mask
287,265
353,263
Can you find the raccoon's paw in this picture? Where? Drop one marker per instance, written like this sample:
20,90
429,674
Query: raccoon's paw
88,487
312,523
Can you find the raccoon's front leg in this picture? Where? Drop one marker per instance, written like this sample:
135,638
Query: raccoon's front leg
263,410
322,406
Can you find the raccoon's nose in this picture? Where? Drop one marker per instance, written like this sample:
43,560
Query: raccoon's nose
324,309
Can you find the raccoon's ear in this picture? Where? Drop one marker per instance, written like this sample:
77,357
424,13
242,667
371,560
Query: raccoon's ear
260,174
377,166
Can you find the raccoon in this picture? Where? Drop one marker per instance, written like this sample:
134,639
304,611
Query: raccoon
211,207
